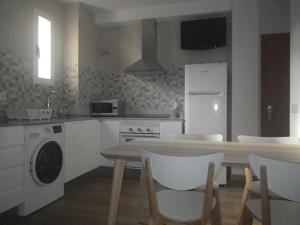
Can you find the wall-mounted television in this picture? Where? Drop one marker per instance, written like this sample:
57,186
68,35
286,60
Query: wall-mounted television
203,34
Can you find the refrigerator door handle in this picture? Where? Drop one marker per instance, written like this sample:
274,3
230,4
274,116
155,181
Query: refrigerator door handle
195,93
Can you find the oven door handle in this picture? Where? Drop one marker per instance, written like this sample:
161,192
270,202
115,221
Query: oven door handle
140,136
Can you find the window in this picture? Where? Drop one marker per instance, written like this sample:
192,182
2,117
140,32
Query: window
43,48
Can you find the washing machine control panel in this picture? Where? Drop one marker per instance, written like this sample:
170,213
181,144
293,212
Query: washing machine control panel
57,129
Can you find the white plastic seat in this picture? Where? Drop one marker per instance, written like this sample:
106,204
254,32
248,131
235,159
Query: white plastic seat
202,137
283,179
180,175
181,206
254,186
282,212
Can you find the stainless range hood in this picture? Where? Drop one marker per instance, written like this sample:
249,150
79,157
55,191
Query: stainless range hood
148,63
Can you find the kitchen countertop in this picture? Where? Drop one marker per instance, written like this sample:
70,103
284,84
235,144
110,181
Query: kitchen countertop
9,123
140,117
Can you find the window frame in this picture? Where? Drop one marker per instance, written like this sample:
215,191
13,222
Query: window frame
36,78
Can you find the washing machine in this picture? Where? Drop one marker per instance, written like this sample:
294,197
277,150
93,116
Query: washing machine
44,166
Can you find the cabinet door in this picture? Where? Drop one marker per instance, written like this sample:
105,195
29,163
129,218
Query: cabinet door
170,127
11,167
82,147
109,138
90,153
73,146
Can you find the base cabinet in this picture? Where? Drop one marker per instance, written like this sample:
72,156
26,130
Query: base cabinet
109,138
82,147
11,167
170,127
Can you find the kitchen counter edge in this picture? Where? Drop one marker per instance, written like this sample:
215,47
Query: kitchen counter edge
11,123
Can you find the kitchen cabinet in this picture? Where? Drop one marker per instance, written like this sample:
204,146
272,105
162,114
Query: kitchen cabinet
109,138
11,167
82,147
170,127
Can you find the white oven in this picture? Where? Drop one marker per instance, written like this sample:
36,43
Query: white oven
126,137
132,130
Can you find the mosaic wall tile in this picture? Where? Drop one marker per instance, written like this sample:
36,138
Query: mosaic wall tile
77,86
142,93
17,80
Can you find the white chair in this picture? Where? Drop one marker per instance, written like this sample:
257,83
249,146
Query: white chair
180,175
282,178
253,187
222,173
202,137
206,137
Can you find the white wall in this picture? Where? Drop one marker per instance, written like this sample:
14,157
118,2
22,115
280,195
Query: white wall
16,24
295,67
274,16
88,38
71,29
163,11
245,75
120,46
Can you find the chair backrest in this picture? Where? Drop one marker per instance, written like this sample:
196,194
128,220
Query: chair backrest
270,140
283,177
201,137
181,172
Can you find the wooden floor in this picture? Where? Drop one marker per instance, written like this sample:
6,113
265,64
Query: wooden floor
86,202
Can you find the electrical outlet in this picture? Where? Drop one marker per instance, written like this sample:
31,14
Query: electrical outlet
294,108
3,96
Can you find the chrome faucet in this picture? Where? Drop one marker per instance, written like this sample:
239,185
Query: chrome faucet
48,98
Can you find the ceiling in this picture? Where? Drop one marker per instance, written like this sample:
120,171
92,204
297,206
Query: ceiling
113,5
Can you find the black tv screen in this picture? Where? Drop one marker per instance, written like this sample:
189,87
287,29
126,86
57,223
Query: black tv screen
203,34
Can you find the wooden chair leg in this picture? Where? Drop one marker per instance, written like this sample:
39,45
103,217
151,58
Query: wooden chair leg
243,205
217,216
247,218
161,221
248,175
158,221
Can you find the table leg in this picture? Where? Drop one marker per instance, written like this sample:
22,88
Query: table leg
142,196
116,191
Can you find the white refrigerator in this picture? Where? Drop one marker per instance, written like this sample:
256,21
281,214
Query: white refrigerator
206,99
206,103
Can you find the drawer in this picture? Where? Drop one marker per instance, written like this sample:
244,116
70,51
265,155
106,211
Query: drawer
11,157
11,136
11,198
11,178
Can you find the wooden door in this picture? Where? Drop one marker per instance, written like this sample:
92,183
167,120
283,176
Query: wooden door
275,85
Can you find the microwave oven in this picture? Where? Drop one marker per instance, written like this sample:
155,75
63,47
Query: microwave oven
106,108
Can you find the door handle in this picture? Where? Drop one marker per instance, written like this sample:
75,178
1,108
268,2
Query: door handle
269,112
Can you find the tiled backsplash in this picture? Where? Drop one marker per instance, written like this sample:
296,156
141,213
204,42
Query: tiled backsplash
17,80
152,93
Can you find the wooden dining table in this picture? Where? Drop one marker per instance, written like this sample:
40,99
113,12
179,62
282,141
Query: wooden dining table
235,155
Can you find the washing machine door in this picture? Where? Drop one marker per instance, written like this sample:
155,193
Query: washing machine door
46,162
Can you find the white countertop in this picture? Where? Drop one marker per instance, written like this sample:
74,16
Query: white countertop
9,123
